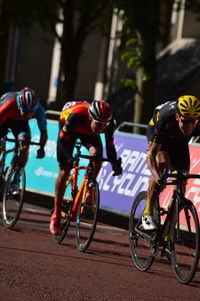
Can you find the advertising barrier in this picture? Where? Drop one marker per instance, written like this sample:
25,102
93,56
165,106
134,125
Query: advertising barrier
117,193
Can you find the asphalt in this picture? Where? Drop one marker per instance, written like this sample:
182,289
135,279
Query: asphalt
104,216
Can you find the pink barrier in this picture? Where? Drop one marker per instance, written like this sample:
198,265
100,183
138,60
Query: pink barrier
193,187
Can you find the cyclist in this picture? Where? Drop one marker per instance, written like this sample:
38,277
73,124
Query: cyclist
169,131
16,108
84,121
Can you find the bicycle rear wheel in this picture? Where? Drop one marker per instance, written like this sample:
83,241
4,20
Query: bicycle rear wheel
87,217
139,240
185,239
13,200
64,222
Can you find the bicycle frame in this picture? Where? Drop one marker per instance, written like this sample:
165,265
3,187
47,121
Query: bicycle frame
5,153
177,198
83,186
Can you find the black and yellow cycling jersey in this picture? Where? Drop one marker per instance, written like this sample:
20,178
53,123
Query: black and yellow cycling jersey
164,124
163,129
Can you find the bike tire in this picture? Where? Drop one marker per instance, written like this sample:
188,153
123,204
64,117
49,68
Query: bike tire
12,204
64,222
86,221
141,247
185,251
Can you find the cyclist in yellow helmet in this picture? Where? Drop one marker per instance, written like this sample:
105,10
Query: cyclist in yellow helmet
169,131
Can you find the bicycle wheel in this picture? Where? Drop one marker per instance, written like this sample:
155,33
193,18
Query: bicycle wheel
64,222
139,240
185,239
87,217
13,200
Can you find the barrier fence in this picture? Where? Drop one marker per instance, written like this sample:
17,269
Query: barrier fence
117,193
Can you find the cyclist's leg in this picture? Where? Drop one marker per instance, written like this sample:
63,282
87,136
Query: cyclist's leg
148,222
65,159
21,131
179,161
95,148
162,162
3,132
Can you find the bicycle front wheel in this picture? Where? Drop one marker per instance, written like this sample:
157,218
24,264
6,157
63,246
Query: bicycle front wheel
140,241
87,216
64,221
13,195
185,241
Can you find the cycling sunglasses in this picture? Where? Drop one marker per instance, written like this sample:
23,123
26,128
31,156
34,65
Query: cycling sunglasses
101,123
191,121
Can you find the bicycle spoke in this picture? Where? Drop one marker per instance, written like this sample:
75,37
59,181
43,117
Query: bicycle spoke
185,239
64,222
87,218
140,245
13,200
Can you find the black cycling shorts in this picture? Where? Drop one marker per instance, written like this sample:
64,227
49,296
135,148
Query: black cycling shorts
65,147
18,127
177,150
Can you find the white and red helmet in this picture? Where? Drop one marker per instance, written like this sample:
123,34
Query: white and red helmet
100,111
26,100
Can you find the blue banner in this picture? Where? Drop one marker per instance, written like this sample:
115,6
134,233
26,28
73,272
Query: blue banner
117,193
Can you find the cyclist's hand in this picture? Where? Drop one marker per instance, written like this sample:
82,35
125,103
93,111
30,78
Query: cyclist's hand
117,168
40,153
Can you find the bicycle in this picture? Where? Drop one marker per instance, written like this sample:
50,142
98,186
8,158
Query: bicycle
177,231
13,174
77,208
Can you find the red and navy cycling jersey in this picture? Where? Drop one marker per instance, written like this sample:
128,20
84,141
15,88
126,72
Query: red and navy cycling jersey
9,109
164,124
75,117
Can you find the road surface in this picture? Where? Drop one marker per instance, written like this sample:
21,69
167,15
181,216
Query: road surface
33,267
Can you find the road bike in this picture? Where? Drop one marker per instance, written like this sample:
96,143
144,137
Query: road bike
12,175
83,205
177,234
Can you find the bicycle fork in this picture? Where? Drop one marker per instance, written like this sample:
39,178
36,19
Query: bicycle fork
77,199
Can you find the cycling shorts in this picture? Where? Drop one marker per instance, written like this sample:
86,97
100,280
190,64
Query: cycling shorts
176,148
18,127
65,147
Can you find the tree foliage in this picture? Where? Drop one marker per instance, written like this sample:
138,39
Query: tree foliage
145,26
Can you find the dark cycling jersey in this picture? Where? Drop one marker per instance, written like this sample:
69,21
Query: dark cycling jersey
163,129
75,117
164,124
9,109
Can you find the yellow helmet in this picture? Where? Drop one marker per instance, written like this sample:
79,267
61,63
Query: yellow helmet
189,106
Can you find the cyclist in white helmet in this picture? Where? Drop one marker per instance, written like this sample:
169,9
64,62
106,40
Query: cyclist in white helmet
84,121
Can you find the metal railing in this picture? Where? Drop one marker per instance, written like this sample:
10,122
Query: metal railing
131,125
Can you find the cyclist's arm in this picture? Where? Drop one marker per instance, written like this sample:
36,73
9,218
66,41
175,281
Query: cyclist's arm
42,125
111,151
40,117
72,122
110,146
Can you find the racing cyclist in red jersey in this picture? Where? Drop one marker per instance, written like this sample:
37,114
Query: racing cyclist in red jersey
169,131
84,121
16,108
